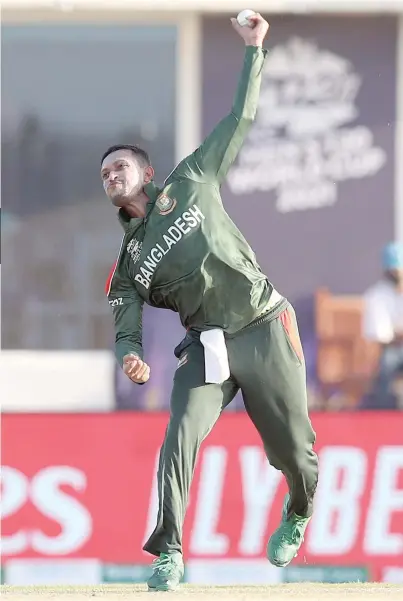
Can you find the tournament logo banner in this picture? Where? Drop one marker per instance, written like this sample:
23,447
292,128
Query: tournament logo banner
313,185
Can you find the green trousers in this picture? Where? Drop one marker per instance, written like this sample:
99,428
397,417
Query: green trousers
267,365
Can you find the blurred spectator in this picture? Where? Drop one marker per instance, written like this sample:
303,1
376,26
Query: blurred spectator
383,323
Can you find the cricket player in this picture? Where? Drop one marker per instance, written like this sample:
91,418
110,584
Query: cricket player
182,252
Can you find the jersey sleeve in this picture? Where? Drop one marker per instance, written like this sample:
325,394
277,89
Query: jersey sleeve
212,159
127,308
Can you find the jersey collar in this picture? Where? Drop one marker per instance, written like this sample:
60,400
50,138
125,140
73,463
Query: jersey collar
128,222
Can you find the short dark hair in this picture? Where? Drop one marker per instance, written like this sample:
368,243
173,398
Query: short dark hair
136,150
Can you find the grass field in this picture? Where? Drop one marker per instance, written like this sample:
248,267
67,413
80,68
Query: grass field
300,592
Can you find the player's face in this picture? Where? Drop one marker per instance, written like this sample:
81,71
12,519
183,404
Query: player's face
122,177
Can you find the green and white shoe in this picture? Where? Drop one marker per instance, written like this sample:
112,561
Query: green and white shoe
168,572
285,542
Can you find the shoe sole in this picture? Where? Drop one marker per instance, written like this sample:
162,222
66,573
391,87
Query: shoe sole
280,565
162,590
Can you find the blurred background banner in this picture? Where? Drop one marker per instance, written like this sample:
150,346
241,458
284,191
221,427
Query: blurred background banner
307,186
96,498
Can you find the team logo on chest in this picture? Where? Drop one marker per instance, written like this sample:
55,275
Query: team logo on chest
134,249
165,204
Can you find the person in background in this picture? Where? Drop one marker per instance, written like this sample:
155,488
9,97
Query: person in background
383,323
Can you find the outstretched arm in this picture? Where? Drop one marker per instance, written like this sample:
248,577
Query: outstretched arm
211,161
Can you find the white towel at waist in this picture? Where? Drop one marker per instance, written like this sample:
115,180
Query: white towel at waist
215,349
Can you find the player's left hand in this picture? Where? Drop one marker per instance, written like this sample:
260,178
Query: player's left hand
136,369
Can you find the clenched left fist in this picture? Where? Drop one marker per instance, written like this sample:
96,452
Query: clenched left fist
136,369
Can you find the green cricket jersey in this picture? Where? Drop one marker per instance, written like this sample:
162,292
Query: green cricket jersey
186,254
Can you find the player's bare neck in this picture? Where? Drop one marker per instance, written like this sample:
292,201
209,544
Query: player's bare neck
137,206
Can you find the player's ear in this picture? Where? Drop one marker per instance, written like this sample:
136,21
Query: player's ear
148,174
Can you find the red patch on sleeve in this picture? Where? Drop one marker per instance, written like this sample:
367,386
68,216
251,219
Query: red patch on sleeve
110,278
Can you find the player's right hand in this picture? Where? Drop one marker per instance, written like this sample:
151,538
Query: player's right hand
252,36
136,369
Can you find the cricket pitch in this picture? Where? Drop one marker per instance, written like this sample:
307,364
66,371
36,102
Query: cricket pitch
300,592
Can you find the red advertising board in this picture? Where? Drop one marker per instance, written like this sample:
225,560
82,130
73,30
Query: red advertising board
84,486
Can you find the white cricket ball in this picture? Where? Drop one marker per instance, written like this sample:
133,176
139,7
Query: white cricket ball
244,16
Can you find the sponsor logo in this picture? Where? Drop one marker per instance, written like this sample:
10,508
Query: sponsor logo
165,204
134,249
58,498
116,301
51,495
183,225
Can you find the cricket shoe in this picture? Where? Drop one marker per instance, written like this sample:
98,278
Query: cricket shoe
168,571
285,542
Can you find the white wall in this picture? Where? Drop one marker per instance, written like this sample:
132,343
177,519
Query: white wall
56,381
